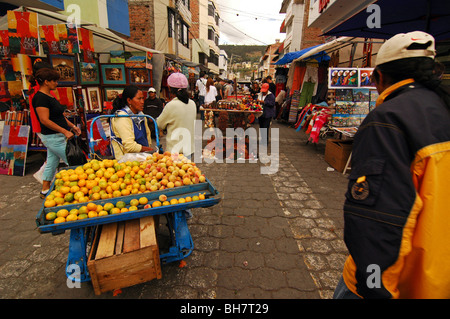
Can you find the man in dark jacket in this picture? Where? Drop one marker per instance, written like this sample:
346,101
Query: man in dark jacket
153,106
396,208
268,100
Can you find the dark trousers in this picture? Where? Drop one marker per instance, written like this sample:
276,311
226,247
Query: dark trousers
264,125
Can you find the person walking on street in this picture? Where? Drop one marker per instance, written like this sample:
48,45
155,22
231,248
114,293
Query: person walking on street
200,87
56,129
211,92
272,86
266,98
219,87
396,211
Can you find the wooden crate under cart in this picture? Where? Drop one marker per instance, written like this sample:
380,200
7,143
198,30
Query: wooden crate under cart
124,254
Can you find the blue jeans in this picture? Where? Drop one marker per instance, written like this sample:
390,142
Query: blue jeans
56,150
342,291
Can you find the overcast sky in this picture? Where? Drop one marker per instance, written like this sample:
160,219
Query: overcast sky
250,21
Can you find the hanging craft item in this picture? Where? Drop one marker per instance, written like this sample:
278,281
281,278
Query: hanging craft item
14,145
50,39
209,119
59,38
86,39
148,62
4,43
23,32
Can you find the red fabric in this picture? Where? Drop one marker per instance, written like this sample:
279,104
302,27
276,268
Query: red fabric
51,38
280,86
86,46
299,74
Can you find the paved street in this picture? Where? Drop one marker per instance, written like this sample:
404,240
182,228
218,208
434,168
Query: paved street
273,236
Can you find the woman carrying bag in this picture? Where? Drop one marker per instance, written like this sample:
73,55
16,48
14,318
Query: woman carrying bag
56,129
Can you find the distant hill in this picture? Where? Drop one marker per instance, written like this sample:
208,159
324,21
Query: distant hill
244,53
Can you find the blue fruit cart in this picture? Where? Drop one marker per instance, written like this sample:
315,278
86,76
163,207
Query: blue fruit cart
82,231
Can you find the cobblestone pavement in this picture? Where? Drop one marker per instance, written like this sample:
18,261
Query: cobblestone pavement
275,236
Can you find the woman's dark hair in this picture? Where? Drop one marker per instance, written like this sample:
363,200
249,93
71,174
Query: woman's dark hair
423,70
181,94
121,101
46,74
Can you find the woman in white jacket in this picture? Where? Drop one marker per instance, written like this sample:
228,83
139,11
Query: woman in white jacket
178,117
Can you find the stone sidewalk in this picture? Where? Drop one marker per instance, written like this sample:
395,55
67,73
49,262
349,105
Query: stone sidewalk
273,236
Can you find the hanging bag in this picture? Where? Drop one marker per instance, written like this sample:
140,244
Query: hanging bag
75,153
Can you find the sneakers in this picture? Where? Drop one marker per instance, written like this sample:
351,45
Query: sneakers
42,194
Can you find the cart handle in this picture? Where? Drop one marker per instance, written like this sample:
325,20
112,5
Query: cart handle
91,132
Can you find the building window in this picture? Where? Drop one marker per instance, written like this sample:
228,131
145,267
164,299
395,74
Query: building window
185,35
213,58
211,9
186,3
171,23
210,34
217,18
202,58
182,29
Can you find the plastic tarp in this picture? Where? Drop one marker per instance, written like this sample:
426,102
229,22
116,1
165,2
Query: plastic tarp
104,40
291,56
326,47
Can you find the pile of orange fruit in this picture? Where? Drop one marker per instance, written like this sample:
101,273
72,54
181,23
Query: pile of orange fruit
104,179
91,209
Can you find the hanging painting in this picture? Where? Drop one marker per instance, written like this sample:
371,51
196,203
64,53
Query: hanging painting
87,44
4,43
14,148
23,32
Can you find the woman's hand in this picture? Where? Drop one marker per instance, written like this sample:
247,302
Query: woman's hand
147,149
68,134
76,130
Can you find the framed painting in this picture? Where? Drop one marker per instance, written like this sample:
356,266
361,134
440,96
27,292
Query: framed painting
89,73
343,78
364,78
66,67
139,76
94,99
113,74
112,93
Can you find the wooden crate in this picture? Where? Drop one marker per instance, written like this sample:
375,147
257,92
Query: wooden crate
124,254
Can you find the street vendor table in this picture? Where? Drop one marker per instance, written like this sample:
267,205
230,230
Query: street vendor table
347,132
81,231
246,113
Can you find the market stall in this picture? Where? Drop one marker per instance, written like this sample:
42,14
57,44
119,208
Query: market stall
230,113
94,66
327,99
113,240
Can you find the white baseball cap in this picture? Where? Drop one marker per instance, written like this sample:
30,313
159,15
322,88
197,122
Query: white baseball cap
407,45
152,90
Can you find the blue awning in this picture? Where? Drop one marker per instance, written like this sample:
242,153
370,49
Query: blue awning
291,56
399,16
